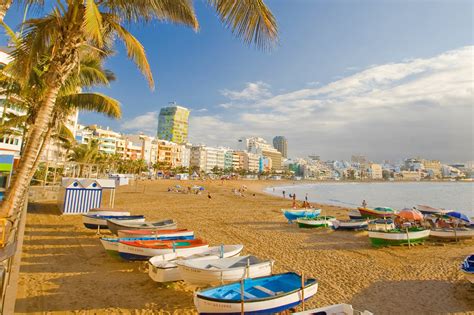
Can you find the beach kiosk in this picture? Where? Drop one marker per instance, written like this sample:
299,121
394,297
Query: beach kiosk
78,195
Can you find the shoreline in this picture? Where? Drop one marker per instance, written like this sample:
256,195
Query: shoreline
65,269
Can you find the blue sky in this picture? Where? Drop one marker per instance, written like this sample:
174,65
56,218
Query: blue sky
235,90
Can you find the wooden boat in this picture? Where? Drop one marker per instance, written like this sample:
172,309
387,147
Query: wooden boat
355,224
381,225
144,250
336,309
411,236
116,225
142,233
95,221
354,214
319,222
111,244
459,233
467,268
430,210
223,270
293,214
163,268
265,295
379,212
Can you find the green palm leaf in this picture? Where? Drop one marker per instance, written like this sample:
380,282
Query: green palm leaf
96,102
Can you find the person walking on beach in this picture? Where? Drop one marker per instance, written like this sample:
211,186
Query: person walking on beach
283,194
209,196
364,204
294,200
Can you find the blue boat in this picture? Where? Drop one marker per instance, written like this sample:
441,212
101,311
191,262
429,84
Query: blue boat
95,221
111,244
293,214
264,295
467,268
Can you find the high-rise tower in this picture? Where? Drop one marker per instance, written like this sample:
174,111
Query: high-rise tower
173,123
281,144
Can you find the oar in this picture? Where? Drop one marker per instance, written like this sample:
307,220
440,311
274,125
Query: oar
302,289
242,297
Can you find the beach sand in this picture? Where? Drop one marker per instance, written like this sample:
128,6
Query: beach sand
66,271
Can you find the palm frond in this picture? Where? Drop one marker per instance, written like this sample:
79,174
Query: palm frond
250,20
92,22
95,102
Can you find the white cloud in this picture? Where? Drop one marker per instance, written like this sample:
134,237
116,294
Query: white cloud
201,110
418,106
252,91
147,123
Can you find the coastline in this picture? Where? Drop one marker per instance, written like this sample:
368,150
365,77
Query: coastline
65,270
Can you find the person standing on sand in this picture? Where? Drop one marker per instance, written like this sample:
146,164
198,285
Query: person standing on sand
283,193
209,196
364,204
294,200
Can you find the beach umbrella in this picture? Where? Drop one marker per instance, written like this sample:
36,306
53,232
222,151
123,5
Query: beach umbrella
459,216
410,214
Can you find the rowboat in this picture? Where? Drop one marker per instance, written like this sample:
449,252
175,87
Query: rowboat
355,224
467,268
108,211
95,221
381,225
142,233
430,210
222,270
111,244
319,222
458,233
335,309
163,268
293,214
116,225
409,236
379,212
354,214
144,250
265,295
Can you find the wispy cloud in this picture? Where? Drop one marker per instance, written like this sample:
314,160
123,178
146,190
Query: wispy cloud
147,123
418,106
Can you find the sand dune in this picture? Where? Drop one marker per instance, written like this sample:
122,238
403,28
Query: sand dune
65,270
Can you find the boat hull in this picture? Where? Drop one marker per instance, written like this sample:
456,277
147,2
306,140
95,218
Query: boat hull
129,252
111,245
316,223
380,238
198,276
114,226
292,214
467,268
451,234
271,305
372,213
157,233
101,223
350,225
164,268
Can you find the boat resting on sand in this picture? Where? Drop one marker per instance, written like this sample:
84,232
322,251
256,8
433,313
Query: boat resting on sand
430,210
359,224
355,214
154,232
108,211
163,268
411,236
336,309
381,225
144,250
116,225
319,222
467,268
111,244
99,221
379,212
223,270
459,233
293,214
265,295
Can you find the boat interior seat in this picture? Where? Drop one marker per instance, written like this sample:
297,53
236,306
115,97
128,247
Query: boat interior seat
266,290
246,294
243,262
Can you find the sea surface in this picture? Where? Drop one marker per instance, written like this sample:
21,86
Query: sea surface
457,196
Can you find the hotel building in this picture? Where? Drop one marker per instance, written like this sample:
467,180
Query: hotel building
281,144
173,123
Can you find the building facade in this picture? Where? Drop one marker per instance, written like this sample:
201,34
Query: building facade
281,144
173,123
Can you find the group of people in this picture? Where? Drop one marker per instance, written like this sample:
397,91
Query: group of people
305,204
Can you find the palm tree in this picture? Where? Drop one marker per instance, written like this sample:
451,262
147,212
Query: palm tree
74,25
85,154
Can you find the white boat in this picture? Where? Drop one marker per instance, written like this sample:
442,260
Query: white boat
336,309
459,233
354,224
398,237
117,225
355,214
157,233
430,210
381,225
163,268
108,211
223,270
264,295
94,221
144,250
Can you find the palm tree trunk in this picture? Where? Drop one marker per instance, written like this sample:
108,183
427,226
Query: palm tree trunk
4,6
24,174
41,149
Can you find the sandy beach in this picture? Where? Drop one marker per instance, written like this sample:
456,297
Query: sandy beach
66,271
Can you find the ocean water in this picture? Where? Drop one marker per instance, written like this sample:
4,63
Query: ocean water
457,196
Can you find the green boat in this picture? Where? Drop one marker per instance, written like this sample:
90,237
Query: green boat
319,222
397,237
